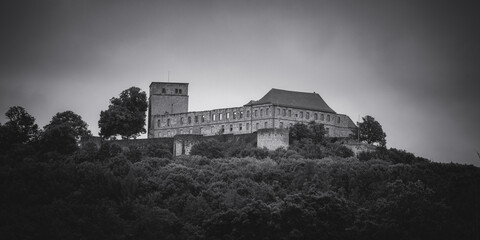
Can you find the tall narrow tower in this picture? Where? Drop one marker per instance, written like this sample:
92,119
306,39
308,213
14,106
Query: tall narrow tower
166,98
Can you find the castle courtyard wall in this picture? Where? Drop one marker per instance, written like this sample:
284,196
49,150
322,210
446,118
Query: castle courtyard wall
246,119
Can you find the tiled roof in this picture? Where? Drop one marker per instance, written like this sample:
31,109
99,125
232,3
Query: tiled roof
303,100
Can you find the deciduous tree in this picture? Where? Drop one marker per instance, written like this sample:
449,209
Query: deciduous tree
20,128
125,115
371,131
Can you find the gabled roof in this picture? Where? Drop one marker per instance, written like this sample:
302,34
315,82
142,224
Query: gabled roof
303,100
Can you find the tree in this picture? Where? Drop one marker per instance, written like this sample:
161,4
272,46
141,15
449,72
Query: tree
371,131
20,128
125,115
314,131
71,120
63,133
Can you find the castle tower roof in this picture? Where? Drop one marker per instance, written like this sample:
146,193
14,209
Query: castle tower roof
304,100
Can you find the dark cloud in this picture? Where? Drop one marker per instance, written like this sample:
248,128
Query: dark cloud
411,64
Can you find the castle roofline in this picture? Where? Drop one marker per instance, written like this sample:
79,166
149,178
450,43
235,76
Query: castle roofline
305,100
168,83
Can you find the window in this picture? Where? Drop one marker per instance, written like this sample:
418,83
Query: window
301,114
240,127
296,115
256,125
328,118
248,114
214,117
281,124
228,115
241,114
267,112
234,115
158,123
222,130
189,120
168,122
315,116
322,117
255,113
164,90
203,118
231,128
201,130
180,91
307,115
284,112
196,119
338,119
261,112
220,116
289,113
176,90
181,121
265,124
248,126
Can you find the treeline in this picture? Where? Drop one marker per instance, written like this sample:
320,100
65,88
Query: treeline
110,193
52,189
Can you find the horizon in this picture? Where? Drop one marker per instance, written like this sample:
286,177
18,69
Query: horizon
413,66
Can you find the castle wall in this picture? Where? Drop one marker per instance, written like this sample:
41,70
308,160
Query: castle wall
246,119
272,138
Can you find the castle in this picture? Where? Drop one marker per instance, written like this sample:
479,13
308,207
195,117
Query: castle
168,114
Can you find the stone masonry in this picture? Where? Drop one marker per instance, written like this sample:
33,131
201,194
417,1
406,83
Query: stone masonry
279,109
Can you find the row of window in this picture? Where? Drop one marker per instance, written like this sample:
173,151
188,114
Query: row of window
177,90
239,115
222,128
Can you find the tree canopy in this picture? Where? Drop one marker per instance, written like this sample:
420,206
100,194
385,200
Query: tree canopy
70,120
63,133
20,127
125,115
371,131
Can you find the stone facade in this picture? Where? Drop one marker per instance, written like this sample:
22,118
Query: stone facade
272,138
169,116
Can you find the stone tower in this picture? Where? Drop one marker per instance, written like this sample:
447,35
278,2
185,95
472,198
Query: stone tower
167,98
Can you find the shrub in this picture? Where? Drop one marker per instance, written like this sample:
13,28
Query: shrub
209,149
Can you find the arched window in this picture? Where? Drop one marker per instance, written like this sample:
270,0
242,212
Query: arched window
158,123
189,120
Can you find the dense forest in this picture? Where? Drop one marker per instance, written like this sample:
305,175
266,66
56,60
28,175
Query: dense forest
316,189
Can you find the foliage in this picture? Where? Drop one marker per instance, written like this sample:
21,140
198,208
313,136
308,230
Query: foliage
314,131
209,149
125,115
20,127
371,131
194,197
115,193
70,120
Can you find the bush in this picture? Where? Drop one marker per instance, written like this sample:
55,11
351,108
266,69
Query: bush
209,149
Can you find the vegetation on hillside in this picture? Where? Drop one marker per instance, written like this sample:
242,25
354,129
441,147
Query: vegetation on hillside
241,193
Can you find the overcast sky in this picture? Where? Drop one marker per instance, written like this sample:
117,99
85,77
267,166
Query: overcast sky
412,65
